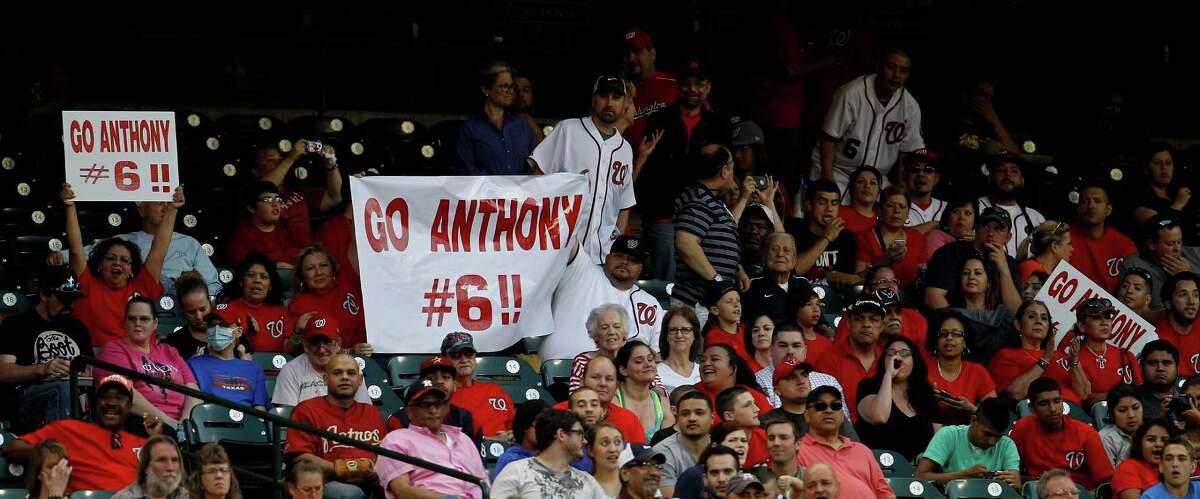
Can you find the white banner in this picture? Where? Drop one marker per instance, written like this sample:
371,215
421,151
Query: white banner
121,155
475,254
1066,290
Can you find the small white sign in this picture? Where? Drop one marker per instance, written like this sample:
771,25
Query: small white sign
1067,288
374,391
512,367
532,394
362,364
10,299
916,488
278,361
121,155
496,449
166,302
236,415
994,489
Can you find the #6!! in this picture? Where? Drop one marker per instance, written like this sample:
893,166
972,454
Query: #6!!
475,313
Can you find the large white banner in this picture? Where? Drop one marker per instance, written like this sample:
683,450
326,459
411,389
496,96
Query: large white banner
475,254
121,155
1066,290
